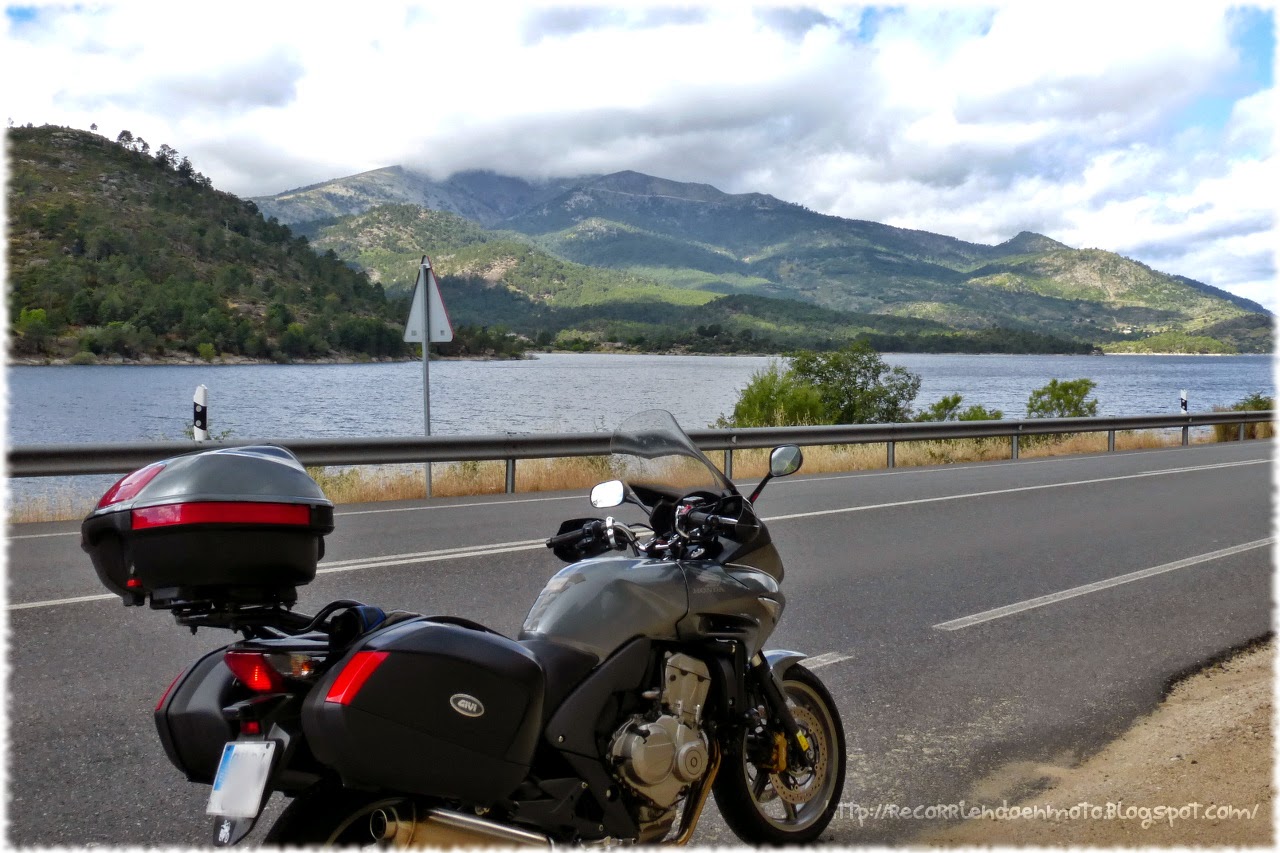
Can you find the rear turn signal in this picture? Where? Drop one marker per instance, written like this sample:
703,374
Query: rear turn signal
254,671
353,676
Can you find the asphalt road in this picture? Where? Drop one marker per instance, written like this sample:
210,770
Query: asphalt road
880,566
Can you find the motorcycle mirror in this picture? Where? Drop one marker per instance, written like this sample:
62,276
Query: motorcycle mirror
608,494
785,460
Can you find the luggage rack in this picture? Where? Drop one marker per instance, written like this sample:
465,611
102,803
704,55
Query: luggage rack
261,614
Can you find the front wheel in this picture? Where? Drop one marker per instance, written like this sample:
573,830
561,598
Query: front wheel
791,806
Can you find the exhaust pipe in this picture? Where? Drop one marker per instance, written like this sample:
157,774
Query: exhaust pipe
446,829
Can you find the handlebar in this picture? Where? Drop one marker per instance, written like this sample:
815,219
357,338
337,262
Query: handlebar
593,529
597,529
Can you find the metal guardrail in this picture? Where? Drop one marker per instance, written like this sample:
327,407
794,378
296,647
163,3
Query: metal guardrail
60,460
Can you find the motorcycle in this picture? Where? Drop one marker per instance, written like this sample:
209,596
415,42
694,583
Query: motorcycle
638,685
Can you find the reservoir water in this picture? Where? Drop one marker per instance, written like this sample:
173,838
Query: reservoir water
553,392
550,393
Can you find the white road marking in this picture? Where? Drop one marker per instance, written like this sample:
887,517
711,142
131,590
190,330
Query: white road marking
534,544
430,556
57,601
460,506
967,495
1053,598
825,659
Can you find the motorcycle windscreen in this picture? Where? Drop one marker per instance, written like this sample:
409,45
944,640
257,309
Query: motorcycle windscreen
650,449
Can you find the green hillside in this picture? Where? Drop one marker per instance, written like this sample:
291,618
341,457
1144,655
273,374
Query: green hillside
118,251
501,279
689,235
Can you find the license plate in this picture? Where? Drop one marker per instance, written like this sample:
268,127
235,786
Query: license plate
241,779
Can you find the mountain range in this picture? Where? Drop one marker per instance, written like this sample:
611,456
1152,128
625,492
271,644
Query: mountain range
703,242
117,252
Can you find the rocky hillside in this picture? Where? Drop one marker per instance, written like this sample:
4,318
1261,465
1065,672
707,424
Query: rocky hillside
695,237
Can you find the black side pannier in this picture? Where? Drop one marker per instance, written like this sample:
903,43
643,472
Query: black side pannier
430,708
236,525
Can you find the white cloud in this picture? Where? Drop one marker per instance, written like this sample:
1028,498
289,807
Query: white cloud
1059,117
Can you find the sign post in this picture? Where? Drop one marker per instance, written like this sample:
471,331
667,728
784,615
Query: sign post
428,324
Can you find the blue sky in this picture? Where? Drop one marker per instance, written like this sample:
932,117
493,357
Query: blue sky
1139,128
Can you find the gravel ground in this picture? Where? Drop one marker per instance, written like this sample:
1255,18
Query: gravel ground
1195,772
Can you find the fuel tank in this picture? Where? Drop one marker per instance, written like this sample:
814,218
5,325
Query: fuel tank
598,605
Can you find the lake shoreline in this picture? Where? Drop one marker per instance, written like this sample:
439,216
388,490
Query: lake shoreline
239,360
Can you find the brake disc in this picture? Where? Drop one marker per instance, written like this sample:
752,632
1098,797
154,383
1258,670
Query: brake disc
802,790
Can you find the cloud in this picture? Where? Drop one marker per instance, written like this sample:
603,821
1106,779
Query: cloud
1090,123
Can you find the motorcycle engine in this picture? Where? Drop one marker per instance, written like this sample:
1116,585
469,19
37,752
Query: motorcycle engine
660,754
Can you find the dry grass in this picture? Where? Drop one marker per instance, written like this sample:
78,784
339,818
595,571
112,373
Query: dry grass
64,505
456,479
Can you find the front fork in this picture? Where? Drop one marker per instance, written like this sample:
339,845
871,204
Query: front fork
764,672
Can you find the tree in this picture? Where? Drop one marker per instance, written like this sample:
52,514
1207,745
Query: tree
166,157
1065,399
34,328
856,386
777,397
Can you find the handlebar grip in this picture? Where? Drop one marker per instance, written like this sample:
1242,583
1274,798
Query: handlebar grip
706,519
574,535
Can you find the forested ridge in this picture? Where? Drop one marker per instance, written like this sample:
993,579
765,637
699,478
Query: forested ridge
116,249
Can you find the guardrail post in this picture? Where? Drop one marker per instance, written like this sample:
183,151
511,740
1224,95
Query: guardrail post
1111,441
1186,436
1241,432
728,464
889,453
1015,446
511,476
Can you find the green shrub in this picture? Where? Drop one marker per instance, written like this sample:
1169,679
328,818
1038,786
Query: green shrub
948,409
1061,399
776,397
1065,399
856,386
1255,402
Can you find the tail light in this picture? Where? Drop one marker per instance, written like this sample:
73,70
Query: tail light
220,512
128,486
353,676
254,671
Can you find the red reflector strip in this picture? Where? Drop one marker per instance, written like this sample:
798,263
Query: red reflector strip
253,671
169,689
129,485
353,676
221,513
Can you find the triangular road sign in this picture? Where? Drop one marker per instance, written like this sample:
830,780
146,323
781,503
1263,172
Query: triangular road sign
441,331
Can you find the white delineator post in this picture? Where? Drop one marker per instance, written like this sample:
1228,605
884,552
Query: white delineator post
200,417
